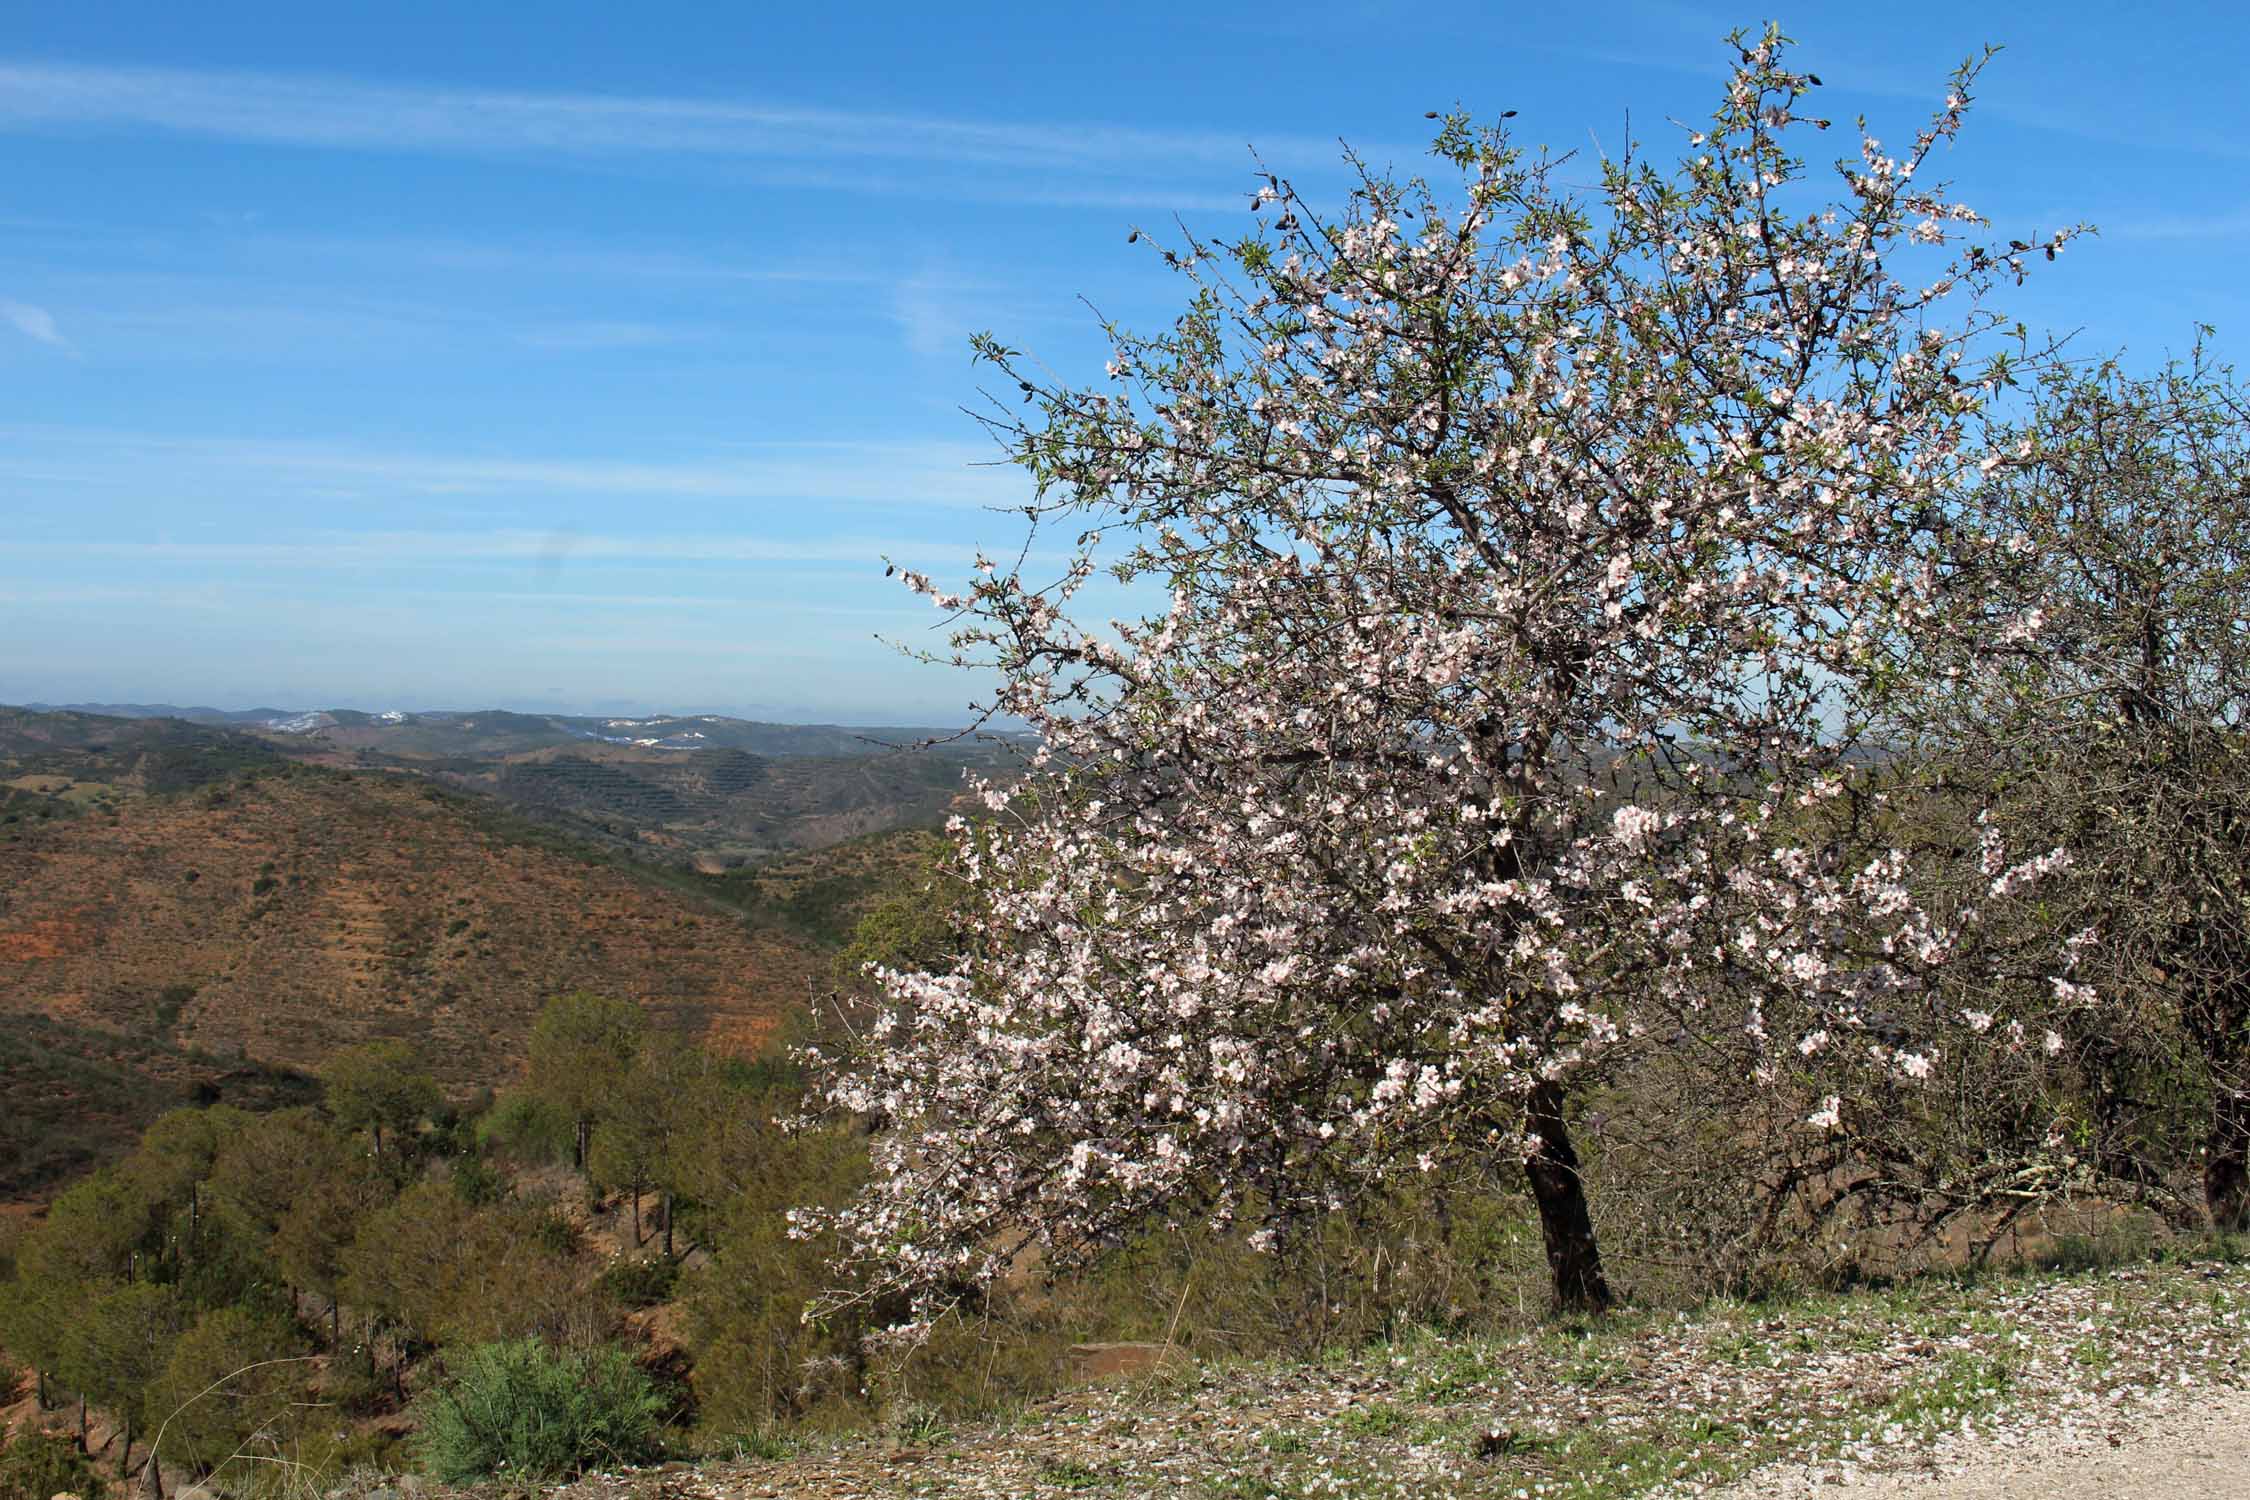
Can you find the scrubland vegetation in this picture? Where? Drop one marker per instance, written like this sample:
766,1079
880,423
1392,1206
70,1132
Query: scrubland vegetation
1684,758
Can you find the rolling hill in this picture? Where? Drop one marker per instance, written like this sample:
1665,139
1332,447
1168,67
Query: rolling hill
275,917
70,762
199,911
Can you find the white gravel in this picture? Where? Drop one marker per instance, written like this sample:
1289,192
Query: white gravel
2181,1444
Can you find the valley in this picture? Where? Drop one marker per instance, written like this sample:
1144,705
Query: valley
203,912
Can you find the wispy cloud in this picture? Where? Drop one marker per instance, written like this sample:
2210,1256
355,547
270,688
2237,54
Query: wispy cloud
209,597
563,258
1070,162
545,548
929,315
33,323
243,239
900,473
611,337
936,310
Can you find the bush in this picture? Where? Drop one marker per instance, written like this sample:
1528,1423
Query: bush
528,1411
34,1466
442,1271
527,1128
477,1182
234,1385
641,1283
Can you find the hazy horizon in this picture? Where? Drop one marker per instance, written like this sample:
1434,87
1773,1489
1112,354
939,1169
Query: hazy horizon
763,713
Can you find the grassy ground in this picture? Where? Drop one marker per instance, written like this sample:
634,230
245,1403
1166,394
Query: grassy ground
1636,1404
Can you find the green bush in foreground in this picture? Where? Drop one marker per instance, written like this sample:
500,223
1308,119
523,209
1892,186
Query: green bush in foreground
528,1411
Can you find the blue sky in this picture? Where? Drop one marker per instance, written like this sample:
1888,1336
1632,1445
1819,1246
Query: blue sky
586,356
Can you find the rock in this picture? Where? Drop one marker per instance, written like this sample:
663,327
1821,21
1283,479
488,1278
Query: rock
1097,1362
66,1495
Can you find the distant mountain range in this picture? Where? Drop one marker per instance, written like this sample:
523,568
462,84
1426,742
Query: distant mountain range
701,791
498,730
165,711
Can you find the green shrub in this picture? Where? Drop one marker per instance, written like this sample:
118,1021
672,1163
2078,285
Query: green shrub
641,1283
446,1272
477,1182
527,1128
551,1231
34,1466
530,1412
236,1378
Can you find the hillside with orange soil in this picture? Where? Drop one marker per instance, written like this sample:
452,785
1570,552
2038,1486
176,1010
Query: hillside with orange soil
278,917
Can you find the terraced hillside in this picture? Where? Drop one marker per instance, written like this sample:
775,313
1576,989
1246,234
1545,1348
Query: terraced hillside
279,917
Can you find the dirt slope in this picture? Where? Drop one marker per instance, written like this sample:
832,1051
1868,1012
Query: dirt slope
283,918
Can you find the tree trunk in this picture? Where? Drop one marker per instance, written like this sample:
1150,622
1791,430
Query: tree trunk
667,1223
1573,1259
82,1425
335,1324
125,1451
637,1241
2226,1149
2218,1016
152,1480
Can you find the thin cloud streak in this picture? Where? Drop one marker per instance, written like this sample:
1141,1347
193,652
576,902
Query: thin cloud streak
359,549
228,599
950,474
597,337
560,259
347,114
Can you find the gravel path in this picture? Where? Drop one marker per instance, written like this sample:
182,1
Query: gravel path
2188,1445
2130,1382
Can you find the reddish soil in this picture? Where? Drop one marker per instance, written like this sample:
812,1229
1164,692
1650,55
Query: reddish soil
57,937
284,919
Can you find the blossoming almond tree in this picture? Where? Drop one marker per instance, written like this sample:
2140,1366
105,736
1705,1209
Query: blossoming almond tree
1525,557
